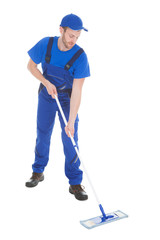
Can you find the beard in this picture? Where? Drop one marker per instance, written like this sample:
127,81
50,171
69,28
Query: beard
67,45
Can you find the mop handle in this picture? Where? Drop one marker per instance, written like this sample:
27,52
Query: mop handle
76,149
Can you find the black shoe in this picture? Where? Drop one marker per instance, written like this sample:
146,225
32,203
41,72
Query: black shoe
78,192
35,179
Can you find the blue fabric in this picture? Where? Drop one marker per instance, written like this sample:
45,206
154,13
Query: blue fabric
80,68
47,108
60,77
72,21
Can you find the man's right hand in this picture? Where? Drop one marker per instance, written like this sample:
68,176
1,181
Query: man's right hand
32,67
51,89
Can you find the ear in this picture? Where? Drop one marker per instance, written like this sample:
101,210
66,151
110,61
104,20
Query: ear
61,30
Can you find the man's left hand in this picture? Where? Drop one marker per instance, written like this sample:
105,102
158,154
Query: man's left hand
70,128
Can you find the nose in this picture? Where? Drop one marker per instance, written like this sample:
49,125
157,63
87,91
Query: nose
74,40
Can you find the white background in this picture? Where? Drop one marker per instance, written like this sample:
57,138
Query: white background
119,130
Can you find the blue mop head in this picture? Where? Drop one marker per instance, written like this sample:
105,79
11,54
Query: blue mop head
98,221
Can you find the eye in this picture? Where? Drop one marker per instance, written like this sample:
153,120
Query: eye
71,36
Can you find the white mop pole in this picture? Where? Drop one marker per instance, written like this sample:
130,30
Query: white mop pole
78,153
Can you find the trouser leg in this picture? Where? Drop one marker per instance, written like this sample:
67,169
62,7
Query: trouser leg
72,162
45,121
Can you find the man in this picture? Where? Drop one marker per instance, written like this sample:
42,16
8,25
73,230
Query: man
65,67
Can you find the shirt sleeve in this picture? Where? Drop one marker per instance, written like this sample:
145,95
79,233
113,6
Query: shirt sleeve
36,53
82,69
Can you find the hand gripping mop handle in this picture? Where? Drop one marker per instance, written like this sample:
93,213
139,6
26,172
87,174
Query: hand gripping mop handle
80,158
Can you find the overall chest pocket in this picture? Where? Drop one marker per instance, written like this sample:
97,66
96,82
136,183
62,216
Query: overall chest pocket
56,76
59,77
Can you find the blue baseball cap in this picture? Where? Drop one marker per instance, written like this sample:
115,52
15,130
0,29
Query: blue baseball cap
72,21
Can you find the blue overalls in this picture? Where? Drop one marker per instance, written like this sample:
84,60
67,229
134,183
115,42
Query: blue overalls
46,113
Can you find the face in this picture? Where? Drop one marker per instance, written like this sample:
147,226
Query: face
69,37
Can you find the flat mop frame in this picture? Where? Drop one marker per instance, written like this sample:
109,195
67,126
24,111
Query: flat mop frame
105,218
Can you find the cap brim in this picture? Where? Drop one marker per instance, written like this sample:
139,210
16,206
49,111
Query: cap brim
85,29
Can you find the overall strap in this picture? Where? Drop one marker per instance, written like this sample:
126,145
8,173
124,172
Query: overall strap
49,48
73,59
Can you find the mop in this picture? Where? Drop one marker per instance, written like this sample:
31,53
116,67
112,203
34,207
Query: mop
104,218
